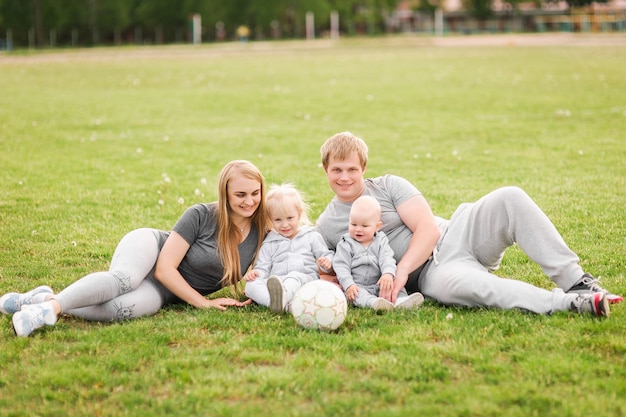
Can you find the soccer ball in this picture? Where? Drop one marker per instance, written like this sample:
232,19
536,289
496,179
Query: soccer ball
319,305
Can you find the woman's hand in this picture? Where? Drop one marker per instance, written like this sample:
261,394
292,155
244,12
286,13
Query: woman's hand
223,303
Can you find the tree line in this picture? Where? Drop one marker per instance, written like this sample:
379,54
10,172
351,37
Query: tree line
108,22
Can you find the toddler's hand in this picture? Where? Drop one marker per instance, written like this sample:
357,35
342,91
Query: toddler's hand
251,275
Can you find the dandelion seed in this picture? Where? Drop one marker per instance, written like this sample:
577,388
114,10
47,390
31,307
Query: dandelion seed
167,180
428,155
161,202
202,180
581,152
20,182
33,233
136,81
455,152
369,97
307,117
181,200
197,191
260,155
319,165
449,316
563,113
486,152
122,171
415,156
139,150
166,138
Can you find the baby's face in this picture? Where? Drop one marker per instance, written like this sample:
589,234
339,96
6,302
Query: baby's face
363,226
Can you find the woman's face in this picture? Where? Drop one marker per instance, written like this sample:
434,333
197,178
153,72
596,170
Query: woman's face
244,196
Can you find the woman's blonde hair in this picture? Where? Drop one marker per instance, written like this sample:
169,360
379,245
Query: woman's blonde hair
281,198
229,236
341,145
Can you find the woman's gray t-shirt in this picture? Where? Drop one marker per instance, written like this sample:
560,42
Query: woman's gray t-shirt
202,267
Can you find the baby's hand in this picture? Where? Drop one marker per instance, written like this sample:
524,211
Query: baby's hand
324,263
385,283
251,275
352,292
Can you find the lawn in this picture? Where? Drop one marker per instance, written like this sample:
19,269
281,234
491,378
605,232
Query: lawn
97,142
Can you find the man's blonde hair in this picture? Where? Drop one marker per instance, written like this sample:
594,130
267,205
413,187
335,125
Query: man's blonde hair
341,145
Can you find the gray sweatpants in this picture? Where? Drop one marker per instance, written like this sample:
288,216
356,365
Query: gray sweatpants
473,246
127,290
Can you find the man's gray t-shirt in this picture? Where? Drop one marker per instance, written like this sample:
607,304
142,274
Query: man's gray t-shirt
202,267
390,191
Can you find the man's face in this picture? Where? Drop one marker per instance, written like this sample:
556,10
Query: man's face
345,177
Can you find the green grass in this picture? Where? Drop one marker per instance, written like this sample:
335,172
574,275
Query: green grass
97,142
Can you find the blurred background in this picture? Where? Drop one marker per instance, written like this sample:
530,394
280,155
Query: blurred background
80,23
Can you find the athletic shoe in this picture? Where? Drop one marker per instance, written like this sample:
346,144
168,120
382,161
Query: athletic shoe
32,317
590,285
13,301
596,304
412,301
380,304
277,293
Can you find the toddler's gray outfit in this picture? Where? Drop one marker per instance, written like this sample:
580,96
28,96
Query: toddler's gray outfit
293,261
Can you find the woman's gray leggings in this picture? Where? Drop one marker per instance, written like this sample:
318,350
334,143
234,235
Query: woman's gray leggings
127,290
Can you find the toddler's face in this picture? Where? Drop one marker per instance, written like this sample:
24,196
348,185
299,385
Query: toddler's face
286,223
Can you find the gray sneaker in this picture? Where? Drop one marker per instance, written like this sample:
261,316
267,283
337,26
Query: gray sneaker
412,301
13,301
277,293
589,285
596,304
32,317
380,304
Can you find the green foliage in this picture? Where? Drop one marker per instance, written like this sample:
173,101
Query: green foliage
98,21
481,9
98,142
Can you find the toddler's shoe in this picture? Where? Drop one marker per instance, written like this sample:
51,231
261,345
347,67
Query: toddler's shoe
277,294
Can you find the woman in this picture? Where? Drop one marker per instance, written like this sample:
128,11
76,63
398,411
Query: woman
209,248
452,261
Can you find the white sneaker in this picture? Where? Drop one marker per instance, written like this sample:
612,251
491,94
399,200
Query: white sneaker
412,301
277,294
13,301
380,304
32,317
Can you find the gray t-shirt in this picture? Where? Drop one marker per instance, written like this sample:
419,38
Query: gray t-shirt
390,191
202,267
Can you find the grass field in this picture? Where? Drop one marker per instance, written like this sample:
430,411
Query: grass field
97,142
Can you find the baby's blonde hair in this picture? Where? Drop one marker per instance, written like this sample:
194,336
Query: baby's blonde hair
281,198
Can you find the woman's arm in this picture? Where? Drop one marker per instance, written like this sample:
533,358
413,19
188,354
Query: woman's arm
167,273
417,216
